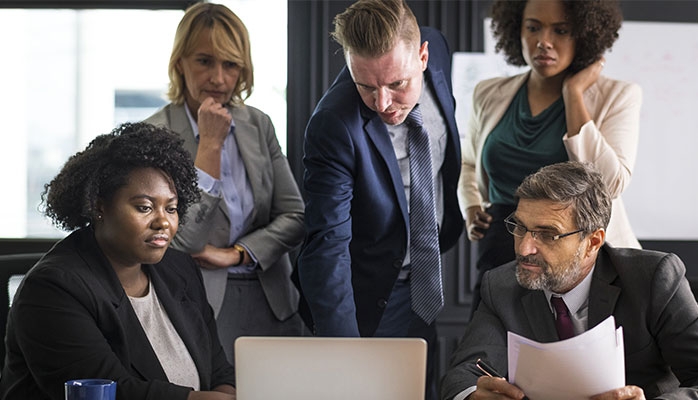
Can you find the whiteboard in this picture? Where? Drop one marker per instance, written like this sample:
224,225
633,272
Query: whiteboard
662,199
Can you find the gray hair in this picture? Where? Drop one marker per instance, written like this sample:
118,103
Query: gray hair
575,184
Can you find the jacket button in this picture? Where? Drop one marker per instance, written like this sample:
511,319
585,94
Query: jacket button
382,303
397,264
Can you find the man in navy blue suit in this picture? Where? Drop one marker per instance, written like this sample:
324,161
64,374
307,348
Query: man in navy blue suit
354,267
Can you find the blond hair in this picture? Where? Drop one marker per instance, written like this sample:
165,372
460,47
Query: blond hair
230,42
371,28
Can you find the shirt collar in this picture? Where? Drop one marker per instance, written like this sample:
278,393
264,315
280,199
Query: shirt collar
575,298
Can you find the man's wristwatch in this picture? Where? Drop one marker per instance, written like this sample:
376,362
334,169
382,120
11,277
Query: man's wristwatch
241,252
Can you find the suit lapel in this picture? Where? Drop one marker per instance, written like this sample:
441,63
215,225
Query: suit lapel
180,310
248,142
603,294
542,324
444,97
179,123
378,134
499,102
142,356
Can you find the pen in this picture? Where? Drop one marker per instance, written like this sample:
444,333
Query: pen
489,371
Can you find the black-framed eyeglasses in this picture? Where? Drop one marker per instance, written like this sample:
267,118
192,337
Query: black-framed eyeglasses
519,231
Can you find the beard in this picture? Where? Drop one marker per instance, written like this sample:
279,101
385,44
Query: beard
557,279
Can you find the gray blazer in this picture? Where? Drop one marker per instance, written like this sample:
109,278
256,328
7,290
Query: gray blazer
277,225
645,291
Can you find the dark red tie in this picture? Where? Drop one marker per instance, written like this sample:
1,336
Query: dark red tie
563,323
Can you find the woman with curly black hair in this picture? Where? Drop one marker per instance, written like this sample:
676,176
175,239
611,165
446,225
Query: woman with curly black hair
561,109
112,300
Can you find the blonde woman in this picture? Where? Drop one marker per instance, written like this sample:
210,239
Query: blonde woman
251,211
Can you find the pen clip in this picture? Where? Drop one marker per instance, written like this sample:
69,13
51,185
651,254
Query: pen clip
483,370
482,366
487,369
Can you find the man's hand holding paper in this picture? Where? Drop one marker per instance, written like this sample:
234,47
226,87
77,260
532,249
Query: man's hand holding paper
577,368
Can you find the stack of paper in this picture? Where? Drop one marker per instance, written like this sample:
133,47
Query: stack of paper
576,368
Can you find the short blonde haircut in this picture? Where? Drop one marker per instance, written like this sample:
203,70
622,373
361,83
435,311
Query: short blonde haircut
230,41
372,28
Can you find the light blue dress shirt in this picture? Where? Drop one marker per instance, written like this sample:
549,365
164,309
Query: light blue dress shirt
234,186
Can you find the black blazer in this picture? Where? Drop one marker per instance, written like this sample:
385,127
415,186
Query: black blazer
71,319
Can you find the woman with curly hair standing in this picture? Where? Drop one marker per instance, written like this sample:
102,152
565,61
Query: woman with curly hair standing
112,300
561,109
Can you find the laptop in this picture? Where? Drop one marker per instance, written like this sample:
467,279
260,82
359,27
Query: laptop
320,368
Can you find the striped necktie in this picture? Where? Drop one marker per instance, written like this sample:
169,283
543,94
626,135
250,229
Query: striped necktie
425,280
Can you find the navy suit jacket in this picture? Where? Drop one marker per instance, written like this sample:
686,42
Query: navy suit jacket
645,291
356,210
72,319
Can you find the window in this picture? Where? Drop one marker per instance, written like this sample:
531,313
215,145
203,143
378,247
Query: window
69,75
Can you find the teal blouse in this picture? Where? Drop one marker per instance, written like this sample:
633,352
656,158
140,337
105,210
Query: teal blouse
521,144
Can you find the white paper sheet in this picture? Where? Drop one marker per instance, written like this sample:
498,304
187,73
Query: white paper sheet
576,368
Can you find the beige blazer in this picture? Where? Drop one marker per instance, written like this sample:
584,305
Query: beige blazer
277,225
609,141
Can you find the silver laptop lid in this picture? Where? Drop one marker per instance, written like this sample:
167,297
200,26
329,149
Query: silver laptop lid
319,368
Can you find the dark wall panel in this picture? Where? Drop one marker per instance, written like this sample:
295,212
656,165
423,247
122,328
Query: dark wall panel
313,61
660,10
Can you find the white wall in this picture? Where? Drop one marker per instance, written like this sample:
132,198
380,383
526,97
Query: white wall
662,58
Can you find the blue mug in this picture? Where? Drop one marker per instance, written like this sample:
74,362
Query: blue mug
90,389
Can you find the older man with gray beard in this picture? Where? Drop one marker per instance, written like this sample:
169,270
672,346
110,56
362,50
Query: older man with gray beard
564,270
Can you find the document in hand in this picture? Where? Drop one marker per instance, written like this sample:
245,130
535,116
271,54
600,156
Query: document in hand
576,368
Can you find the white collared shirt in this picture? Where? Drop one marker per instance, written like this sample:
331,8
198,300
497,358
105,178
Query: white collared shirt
436,126
577,301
